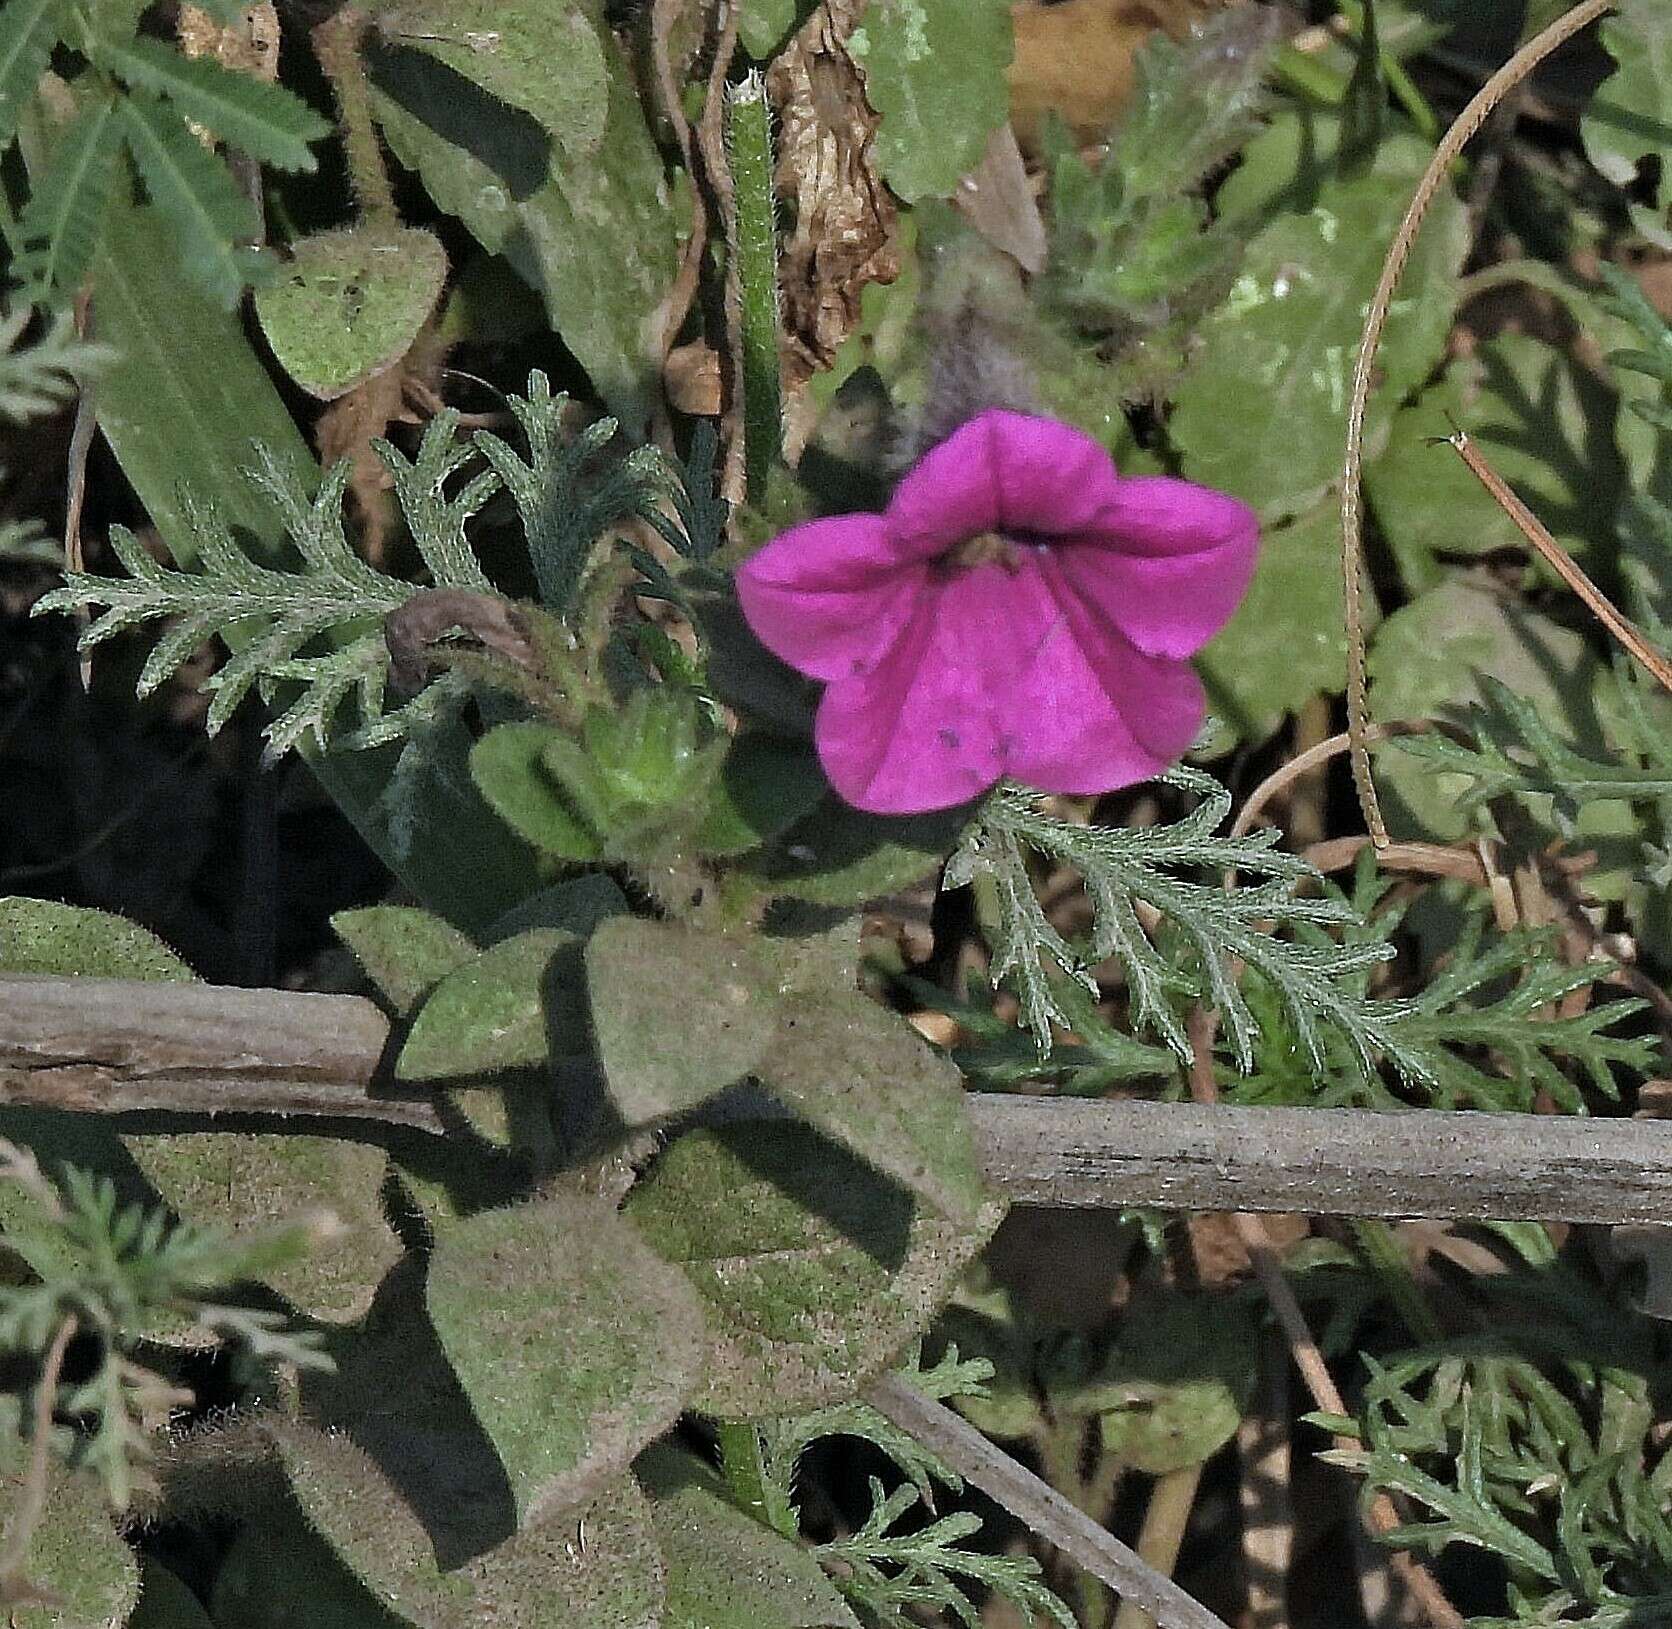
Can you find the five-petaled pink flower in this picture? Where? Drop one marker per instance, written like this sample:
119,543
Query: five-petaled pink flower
1018,610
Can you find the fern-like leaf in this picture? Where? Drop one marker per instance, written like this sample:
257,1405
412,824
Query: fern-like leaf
270,123
565,498
890,1572
1149,866
64,219
28,31
36,378
195,193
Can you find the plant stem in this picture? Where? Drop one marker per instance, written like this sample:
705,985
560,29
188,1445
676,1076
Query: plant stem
753,248
1165,1518
336,43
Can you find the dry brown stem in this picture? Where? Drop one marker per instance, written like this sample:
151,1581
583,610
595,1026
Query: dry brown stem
1468,123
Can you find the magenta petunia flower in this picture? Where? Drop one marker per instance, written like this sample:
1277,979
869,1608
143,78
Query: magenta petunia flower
1018,610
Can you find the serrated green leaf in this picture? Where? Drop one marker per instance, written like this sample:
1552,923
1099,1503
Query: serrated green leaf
247,1182
728,1571
348,304
42,936
870,1082
1285,644
510,1006
28,31
1280,350
273,125
542,56
74,1554
405,951
61,225
194,192
575,1343
1628,120
765,785
815,1270
508,766
677,1014
1544,423
935,71
596,238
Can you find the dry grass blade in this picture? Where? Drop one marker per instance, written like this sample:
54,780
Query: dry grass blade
1467,126
1559,561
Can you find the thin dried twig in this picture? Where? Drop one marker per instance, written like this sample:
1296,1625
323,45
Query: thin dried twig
31,1504
1038,1505
1468,123
1558,559
1303,1348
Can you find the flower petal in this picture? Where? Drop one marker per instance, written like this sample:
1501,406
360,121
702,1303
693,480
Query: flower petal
1168,562
1006,472
1091,713
919,732
829,596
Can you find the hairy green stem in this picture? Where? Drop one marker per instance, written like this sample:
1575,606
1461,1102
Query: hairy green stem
753,247
743,1466
336,43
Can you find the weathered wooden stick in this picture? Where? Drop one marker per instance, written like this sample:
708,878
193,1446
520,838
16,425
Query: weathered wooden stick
113,1046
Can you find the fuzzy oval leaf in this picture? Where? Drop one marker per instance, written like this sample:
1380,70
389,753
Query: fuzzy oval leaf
279,1573
935,71
598,1568
509,767
369,1527
676,1014
74,1553
510,1006
404,951
42,936
839,856
575,1343
764,787
577,906
247,1182
349,304
543,56
728,1571
166,1603
592,1568
869,1081
816,1271
1280,350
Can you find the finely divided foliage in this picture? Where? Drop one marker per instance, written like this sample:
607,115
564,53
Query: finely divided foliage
660,977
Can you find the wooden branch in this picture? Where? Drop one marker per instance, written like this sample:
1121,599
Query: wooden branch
112,1046
109,1046
1037,1505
